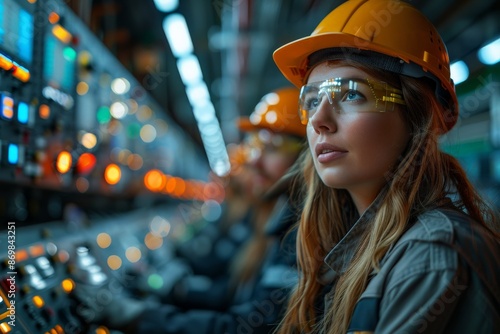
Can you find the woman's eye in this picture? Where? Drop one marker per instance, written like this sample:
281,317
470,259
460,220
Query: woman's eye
353,95
311,103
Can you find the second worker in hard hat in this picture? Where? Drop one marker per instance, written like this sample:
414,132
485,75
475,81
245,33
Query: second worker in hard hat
393,237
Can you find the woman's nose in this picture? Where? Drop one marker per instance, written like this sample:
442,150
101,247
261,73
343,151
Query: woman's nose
324,118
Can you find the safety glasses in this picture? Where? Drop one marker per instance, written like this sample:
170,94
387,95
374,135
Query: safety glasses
348,95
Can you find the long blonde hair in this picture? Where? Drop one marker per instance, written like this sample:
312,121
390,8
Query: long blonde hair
422,177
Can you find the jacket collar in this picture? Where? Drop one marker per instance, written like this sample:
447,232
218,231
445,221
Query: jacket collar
339,258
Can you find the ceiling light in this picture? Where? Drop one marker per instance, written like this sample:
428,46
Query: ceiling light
178,36
198,94
490,53
459,72
189,70
166,5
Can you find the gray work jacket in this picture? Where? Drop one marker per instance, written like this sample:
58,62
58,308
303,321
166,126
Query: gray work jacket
442,276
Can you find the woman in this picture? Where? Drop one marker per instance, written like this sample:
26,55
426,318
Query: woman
393,237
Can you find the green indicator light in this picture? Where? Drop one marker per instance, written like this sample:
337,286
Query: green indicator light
69,53
155,281
103,115
133,130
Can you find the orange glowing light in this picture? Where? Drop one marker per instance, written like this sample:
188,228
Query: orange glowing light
54,17
64,161
112,174
180,187
152,241
86,163
37,250
21,74
171,185
44,111
21,255
5,63
154,180
62,34
68,285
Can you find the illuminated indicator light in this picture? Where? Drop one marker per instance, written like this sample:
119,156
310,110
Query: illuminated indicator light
133,254
5,328
37,250
22,112
63,256
61,34
135,162
155,281
13,154
7,107
144,113
133,130
102,330
120,86
68,285
86,163
21,255
152,241
103,240
8,101
82,88
180,187
54,17
89,140
69,54
112,174
5,63
134,106
103,115
154,180
44,111
114,262
21,73
123,156
171,185
64,161
148,133
38,301
84,58
118,110
160,226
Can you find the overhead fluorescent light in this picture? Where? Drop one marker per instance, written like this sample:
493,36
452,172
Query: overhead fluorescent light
198,94
490,53
178,36
166,5
459,72
189,70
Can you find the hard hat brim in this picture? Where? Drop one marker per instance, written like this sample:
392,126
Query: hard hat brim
291,58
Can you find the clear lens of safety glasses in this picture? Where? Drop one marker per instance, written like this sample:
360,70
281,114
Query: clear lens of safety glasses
348,95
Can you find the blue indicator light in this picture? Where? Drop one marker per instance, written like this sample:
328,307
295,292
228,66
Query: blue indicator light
22,112
13,154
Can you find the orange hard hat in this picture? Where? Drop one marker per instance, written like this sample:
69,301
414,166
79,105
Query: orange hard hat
388,34
277,112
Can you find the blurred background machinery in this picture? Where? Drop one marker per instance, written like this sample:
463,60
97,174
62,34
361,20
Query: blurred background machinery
114,114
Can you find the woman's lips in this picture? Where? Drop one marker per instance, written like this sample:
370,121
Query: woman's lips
326,152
